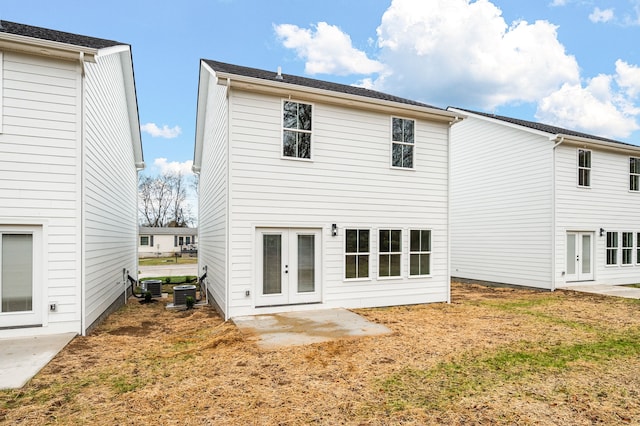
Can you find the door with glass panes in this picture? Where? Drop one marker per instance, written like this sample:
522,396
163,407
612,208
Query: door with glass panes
288,266
579,256
20,301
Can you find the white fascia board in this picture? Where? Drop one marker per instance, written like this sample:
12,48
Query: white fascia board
48,48
284,89
502,122
201,109
595,143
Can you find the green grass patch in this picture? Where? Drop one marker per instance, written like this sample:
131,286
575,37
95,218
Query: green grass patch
471,375
155,261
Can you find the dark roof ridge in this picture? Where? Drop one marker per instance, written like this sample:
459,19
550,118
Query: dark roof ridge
555,130
310,82
56,36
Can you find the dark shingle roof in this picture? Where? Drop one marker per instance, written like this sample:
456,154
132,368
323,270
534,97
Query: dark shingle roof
554,130
57,36
310,82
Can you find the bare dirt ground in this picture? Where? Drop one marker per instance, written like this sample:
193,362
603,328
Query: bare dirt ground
492,356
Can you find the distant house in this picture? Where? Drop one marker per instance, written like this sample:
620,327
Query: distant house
155,242
69,154
542,206
317,195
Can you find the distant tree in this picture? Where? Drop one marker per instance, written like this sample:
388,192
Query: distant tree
163,201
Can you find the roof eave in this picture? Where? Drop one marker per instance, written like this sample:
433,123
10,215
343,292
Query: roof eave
284,89
48,48
588,142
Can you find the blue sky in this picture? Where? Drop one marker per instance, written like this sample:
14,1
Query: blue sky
571,63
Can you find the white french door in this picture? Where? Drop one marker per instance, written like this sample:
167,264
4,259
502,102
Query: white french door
20,299
288,268
579,256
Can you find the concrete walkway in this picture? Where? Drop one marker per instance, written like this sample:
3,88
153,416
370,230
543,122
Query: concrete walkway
607,290
22,358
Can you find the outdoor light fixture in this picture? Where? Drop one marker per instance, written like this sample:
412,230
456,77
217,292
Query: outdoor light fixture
334,230
601,232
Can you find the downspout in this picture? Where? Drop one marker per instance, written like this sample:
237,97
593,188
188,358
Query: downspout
227,283
451,123
83,293
553,211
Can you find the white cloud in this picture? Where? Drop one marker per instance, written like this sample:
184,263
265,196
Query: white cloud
457,52
599,15
628,78
326,50
174,166
164,132
597,108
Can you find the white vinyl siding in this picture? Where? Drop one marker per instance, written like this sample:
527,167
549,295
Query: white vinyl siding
39,182
501,205
110,187
348,183
213,196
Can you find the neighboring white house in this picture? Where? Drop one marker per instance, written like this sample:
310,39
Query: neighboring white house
154,242
69,152
316,195
537,205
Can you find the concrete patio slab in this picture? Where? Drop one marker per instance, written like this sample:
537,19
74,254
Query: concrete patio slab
607,290
305,327
21,358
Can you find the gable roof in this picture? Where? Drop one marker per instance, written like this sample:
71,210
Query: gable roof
56,36
230,69
551,130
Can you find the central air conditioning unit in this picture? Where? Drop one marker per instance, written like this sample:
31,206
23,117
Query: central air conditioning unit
153,286
181,292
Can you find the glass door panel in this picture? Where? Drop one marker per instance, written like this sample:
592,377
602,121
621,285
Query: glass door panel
272,264
17,272
306,263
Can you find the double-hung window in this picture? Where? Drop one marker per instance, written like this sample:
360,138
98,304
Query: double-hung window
634,174
420,252
637,248
296,130
356,253
146,240
627,248
402,142
390,255
584,167
612,248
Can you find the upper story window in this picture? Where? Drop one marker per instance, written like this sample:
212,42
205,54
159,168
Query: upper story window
584,167
402,142
296,132
356,253
390,256
634,174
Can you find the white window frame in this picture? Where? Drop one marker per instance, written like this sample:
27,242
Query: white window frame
356,254
626,249
613,248
586,169
1,92
403,144
389,253
634,174
420,252
310,132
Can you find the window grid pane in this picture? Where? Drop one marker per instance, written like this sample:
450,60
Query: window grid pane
627,248
403,138
584,167
296,136
390,258
612,248
634,174
356,253
420,252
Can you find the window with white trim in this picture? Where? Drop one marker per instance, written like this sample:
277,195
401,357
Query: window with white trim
296,130
419,252
584,167
356,257
612,248
637,248
634,174
627,248
16,272
146,240
402,142
390,255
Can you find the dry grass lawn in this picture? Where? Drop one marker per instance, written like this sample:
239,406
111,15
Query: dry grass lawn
492,356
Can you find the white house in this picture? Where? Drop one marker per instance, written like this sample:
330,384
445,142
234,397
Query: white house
154,241
317,195
69,153
541,206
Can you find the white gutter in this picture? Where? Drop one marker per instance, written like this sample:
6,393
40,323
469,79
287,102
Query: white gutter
451,123
560,140
37,46
284,89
